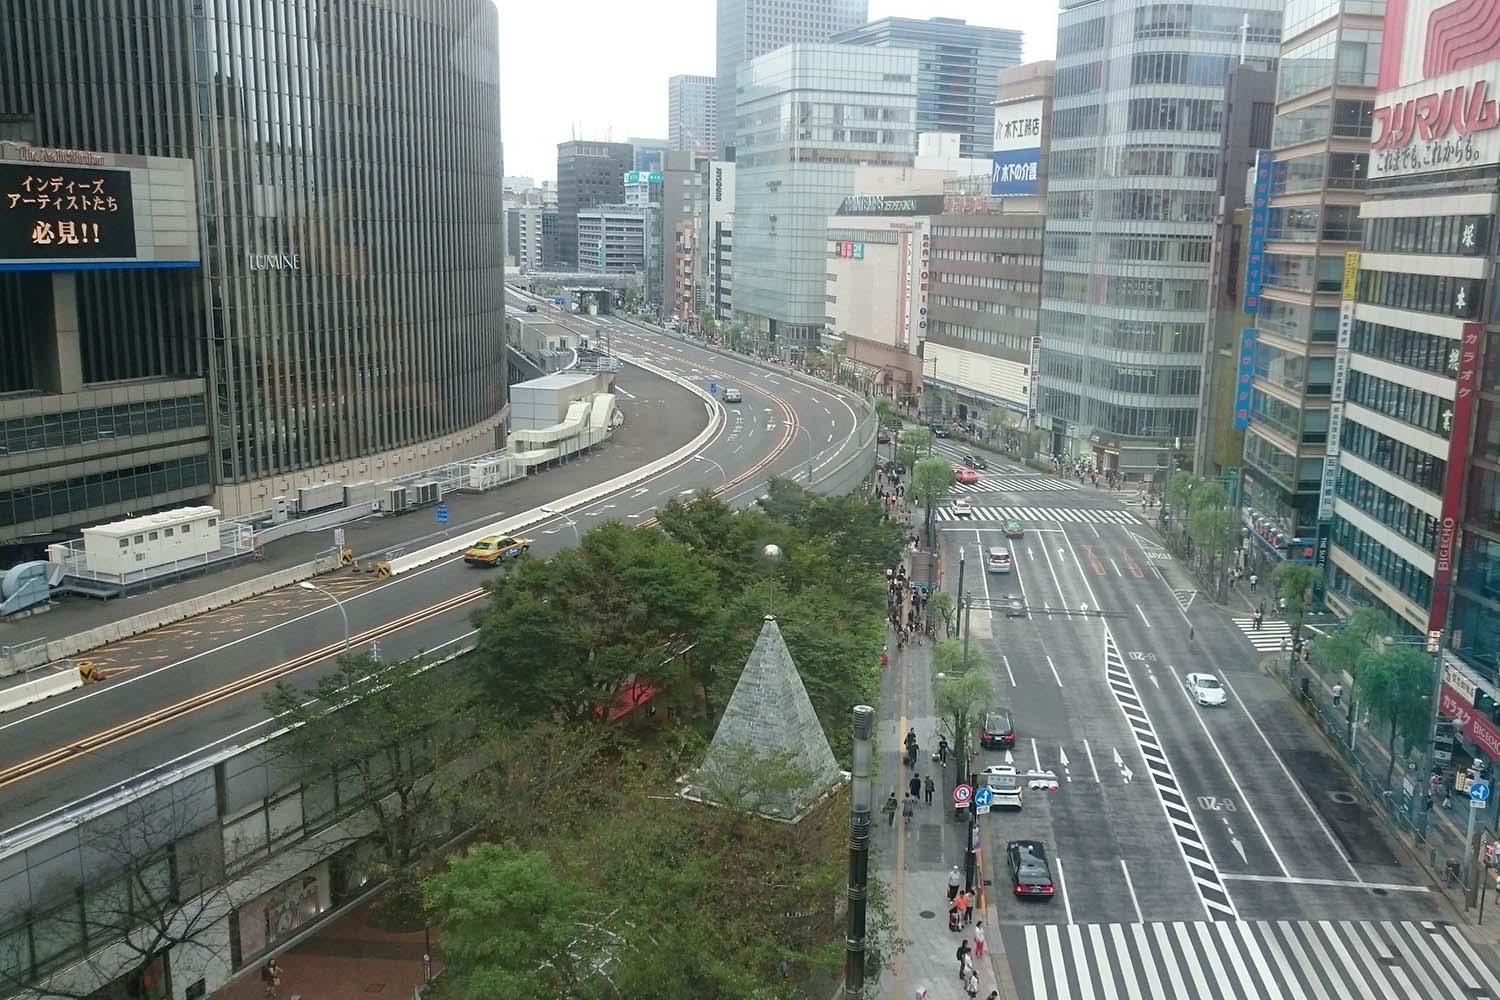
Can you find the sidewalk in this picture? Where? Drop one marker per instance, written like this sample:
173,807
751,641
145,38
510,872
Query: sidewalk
345,960
914,856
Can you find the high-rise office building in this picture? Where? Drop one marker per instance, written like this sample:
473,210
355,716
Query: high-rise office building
299,344
809,115
648,153
1130,215
748,29
714,244
956,70
1319,156
693,113
588,174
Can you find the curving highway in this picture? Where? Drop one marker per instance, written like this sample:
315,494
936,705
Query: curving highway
196,687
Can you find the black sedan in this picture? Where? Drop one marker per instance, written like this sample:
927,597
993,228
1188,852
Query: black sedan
976,462
1030,874
999,733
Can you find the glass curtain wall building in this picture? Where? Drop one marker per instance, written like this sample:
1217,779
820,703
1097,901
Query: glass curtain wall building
1325,92
357,147
746,29
807,116
956,71
1134,167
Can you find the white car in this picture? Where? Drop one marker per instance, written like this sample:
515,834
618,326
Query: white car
962,508
1205,689
1004,785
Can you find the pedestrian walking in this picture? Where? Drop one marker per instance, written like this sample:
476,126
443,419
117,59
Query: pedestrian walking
979,939
1338,692
971,985
906,807
1254,580
962,902
890,809
1255,622
955,878
943,750
927,787
962,954
969,910
915,786
271,977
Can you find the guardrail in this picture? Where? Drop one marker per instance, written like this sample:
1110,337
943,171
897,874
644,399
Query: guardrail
536,515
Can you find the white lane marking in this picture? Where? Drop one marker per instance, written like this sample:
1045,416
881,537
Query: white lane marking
1006,660
1059,972
1054,671
827,411
1095,768
1153,981
1195,970
1062,889
640,492
1337,883
1169,958
1143,615
1096,947
1322,824
1134,901
1258,957
1058,583
830,437
1116,566
1244,799
1126,967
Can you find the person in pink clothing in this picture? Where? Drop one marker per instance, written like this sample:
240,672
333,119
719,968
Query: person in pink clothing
979,939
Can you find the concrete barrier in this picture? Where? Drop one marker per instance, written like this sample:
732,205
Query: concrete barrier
519,522
146,621
51,683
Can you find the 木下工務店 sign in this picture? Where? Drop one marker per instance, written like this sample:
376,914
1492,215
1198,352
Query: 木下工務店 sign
65,213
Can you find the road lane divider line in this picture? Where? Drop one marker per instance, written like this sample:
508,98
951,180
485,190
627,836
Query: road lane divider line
93,742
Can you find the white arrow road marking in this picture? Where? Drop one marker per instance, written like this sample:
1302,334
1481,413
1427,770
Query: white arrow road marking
1062,756
609,506
1083,607
1010,759
1239,847
640,492
548,531
1092,766
1120,763
1030,554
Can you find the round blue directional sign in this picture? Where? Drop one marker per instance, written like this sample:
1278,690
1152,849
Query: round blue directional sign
982,796
1479,791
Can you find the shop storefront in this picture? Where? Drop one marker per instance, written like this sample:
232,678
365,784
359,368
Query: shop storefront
264,922
149,983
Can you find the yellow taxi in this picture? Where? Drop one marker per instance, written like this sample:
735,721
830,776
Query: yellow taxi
495,549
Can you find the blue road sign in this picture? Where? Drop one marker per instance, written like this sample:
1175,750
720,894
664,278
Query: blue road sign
442,513
1479,791
982,796
558,301
713,388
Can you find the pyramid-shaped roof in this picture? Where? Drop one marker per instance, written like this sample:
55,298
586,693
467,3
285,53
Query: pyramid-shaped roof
769,752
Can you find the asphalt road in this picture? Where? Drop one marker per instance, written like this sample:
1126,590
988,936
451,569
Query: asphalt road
198,686
1200,851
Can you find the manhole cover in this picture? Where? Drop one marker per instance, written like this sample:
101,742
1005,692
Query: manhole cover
926,914
1342,798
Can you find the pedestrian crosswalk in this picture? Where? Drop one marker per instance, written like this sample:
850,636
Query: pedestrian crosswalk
1250,960
1020,484
1272,635
1028,515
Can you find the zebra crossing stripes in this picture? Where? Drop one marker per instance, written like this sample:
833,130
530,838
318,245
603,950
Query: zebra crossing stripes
1200,864
1061,514
1020,484
1250,960
1269,637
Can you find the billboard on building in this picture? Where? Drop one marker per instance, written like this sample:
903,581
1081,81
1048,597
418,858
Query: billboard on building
61,214
1260,214
1464,391
1016,163
1340,380
1243,379
1439,73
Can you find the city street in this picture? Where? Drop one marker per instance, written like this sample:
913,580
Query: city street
1197,851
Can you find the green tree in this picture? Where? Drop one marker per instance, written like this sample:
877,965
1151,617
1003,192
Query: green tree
1395,685
383,732
561,637
943,604
1339,651
708,326
931,479
948,655
886,413
912,444
1003,425
1215,532
510,926
961,702
1293,583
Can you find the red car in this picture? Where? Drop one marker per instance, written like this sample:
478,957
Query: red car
966,476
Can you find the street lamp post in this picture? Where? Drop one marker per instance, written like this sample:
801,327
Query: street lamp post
716,465
570,522
859,852
804,431
307,585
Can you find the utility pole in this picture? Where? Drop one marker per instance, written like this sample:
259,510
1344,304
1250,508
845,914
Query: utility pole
968,606
859,852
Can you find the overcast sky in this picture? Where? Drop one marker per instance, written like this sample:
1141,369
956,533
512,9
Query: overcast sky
600,67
